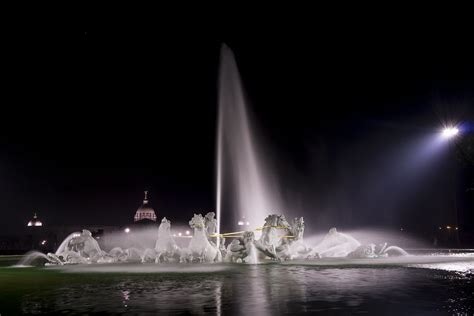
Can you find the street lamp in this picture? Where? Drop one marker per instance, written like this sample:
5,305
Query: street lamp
450,132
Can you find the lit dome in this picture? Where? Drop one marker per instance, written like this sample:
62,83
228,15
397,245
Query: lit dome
145,211
35,221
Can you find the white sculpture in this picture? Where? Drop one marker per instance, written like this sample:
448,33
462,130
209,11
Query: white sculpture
210,223
166,248
200,249
374,251
335,244
80,247
279,241
242,249
292,246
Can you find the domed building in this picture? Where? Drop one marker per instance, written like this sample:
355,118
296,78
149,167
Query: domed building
145,212
35,222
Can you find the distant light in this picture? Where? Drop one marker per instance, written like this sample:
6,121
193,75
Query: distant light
457,228
401,229
76,235
243,222
440,228
449,132
187,232
37,223
43,242
126,230
448,227
179,234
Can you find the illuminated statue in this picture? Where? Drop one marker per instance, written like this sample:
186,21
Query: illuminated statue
210,223
200,249
166,248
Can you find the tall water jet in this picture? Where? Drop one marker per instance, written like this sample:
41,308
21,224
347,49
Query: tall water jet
242,188
219,182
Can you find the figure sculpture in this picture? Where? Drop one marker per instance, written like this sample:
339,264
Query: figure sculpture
279,241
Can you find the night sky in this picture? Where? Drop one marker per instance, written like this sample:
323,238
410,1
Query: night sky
91,119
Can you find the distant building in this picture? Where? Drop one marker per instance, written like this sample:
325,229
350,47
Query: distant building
35,234
145,212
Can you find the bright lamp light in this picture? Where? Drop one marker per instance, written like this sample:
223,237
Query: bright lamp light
449,132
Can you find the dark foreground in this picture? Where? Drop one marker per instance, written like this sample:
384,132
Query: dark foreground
238,289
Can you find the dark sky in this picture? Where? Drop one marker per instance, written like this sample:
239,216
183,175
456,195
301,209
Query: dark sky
91,119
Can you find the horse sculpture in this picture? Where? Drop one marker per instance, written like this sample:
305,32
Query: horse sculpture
292,246
80,247
279,241
275,228
166,248
200,249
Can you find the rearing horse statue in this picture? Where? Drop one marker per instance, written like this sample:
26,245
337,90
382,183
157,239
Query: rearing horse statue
200,249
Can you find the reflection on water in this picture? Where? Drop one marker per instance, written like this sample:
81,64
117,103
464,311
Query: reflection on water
218,297
126,298
261,290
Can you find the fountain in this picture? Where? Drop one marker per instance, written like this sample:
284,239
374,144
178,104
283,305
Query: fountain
280,241
243,183
241,179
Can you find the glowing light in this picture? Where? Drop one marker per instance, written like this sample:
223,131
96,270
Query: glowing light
448,227
126,230
76,235
401,229
243,222
457,228
449,132
43,242
187,232
440,228
179,234
35,221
